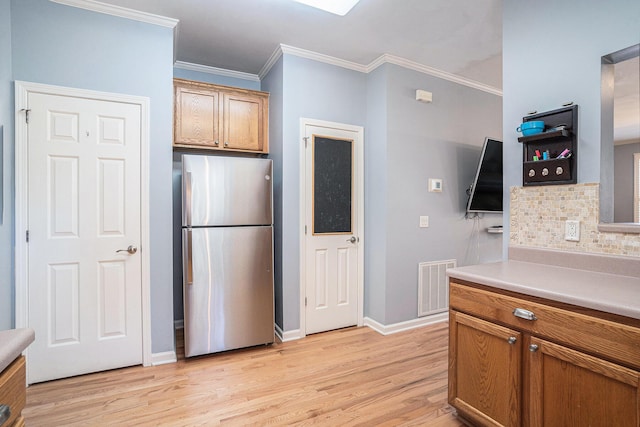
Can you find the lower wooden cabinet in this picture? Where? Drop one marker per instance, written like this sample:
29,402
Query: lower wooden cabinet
506,372
485,362
13,393
570,388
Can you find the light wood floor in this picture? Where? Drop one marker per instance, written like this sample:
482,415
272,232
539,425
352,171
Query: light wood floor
347,377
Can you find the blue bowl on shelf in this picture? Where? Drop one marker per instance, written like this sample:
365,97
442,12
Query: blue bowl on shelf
531,128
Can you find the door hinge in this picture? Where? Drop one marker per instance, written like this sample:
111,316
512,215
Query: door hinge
306,140
27,236
305,301
26,114
305,230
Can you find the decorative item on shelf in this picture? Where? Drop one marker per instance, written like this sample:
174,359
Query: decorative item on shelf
531,128
549,156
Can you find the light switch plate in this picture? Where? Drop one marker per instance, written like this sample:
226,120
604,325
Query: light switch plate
424,221
435,185
572,231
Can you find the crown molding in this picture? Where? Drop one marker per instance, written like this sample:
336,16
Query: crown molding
425,69
320,57
216,71
308,54
382,59
270,62
121,12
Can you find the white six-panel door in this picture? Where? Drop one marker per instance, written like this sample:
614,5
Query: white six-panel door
333,187
84,287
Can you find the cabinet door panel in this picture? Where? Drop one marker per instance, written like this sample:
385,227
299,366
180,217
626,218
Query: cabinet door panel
243,122
570,388
196,117
485,366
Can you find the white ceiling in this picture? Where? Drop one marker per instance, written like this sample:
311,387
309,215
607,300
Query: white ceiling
462,37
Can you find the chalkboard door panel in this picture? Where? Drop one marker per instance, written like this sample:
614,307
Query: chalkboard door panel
332,185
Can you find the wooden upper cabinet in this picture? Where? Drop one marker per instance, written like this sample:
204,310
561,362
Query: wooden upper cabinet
220,117
196,116
243,122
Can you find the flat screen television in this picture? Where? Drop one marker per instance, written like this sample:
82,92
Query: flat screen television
485,193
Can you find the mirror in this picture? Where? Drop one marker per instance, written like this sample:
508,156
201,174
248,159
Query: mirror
619,197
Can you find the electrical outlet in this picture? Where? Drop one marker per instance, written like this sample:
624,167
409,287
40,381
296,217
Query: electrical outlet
424,221
572,231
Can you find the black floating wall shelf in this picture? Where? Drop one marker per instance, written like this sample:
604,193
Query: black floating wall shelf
554,170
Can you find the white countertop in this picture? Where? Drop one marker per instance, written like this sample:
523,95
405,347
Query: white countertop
12,344
611,293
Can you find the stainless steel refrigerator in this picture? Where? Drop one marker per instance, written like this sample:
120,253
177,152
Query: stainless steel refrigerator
227,250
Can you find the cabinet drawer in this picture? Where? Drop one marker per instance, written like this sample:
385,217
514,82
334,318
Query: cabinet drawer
13,388
605,338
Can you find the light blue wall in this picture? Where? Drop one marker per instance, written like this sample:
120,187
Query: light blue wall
273,83
178,313
437,140
66,46
318,91
6,170
406,143
375,194
551,55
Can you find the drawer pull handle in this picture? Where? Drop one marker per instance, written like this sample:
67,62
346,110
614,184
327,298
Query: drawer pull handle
524,314
512,340
533,348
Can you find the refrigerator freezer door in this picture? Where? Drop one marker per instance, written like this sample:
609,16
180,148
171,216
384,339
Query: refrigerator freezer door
229,303
222,191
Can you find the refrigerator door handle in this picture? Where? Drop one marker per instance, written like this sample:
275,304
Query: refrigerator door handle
189,260
187,198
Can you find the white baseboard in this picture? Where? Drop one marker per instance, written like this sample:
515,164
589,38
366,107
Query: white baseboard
405,326
288,335
163,358
178,324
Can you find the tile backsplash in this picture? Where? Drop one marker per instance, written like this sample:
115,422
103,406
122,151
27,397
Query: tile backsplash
538,216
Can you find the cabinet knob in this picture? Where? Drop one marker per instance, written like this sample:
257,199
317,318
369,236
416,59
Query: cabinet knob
216,142
545,172
226,143
512,340
559,170
533,348
532,173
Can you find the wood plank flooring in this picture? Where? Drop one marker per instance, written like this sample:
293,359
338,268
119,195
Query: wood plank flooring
349,377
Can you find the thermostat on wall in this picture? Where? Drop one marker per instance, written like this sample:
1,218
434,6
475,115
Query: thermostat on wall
435,185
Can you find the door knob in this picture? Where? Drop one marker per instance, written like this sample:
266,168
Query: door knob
353,239
131,250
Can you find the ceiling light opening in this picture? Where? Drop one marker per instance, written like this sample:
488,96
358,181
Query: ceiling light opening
338,7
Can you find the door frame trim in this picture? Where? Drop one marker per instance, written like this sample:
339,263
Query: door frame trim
360,232
22,91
